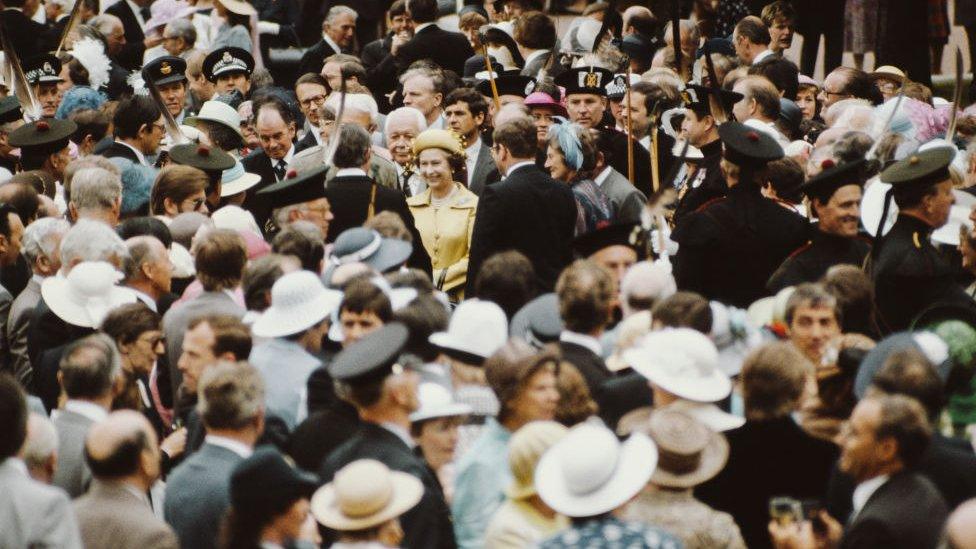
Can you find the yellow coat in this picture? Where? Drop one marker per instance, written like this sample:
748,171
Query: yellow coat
446,234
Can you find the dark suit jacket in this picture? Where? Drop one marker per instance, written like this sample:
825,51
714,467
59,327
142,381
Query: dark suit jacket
314,58
258,162
529,212
349,197
26,35
47,335
198,494
766,459
307,141
372,55
131,55
428,524
485,171
52,34
950,468
906,512
448,49
118,150
321,433
589,364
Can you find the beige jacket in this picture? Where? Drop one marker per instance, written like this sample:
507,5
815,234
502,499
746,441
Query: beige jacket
446,234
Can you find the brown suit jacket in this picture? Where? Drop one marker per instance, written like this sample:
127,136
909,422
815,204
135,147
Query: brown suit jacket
110,515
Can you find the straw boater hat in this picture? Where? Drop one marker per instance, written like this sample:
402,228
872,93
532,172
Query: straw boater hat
298,302
365,494
689,453
86,294
590,472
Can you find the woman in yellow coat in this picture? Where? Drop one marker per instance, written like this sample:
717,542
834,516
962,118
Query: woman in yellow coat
444,213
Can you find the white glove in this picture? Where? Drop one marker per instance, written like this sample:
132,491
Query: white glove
670,246
267,27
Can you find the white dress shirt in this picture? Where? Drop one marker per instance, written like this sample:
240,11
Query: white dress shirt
599,179
350,172
519,165
146,299
761,55
583,340
400,432
139,155
864,491
332,44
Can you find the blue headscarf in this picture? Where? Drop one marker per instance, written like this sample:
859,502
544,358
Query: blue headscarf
567,135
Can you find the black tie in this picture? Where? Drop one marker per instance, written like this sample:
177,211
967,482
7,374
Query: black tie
279,170
405,183
145,13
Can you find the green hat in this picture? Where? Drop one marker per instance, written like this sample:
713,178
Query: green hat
747,147
920,170
208,159
297,189
371,358
165,70
834,176
43,137
585,80
10,110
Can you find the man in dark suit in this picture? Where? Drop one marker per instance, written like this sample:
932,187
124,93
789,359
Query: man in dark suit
275,125
371,367
882,445
338,32
373,53
950,466
465,111
139,130
535,35
586,292
133,14
356,197
527,211
770,455
197,491
26,35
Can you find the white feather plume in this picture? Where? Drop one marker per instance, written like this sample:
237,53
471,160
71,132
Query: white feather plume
138,85
91,54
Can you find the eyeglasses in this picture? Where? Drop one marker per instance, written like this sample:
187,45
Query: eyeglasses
315,99
825,91
160,127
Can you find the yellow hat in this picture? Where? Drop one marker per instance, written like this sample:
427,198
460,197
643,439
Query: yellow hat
441,139
524,451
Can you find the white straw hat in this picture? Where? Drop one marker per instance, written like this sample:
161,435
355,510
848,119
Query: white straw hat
364,494
437,401
683,362
590,472
219,112
86,294
478,328
298,302
239,7
235,180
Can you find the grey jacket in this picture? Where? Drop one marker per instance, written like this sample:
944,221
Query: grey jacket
33,514
485,171
17,325
627,201
285,367
72,473
198,494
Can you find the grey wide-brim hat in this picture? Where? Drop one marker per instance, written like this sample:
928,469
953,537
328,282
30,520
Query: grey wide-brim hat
361,245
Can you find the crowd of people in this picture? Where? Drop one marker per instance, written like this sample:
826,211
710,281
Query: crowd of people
491,274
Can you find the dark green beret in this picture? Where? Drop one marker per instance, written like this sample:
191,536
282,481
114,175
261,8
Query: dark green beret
834,176
43,137
208,159
10,110
919,170
747,147
297,188
630,235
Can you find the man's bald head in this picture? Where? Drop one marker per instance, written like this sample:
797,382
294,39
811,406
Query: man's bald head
961,527
123,446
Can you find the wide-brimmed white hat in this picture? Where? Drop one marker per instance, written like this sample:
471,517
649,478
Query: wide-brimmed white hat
683,362
478,328
364,494
219,112
86,294
235,180
436,401
958,218
164,11
298,302
239,7
590,472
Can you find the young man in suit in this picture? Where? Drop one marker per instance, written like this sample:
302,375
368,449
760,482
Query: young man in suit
338,32
880,447
400,27
33,514
465,111
361,197
586,293
123,454
385,393
139,130
197,491
275,125
527,211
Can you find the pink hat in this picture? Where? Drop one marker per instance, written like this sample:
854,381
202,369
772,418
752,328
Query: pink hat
542,99
164,11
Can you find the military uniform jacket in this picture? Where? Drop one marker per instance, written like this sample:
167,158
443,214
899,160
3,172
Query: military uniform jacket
810,262
909,275
703,184
428,524
729,247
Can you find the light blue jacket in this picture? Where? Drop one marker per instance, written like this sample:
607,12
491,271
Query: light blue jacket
479,488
